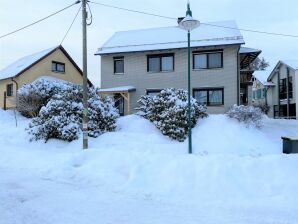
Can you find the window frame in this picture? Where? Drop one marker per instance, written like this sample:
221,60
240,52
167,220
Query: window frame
56,63
118,58
160,56
208,90
9,93
148,91
207,53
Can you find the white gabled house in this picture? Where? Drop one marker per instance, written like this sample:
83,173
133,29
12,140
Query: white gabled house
278,88
148,60
284,95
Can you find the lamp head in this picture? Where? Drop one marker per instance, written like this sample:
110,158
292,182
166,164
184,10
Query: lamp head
189,23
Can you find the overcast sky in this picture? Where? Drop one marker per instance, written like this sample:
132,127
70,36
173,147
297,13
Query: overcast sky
266,15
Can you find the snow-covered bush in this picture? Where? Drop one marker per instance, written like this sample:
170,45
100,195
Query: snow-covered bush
249,115
61,117
102,114
168,111
31,97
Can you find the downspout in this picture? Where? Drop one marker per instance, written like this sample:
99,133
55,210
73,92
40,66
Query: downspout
238,78
266,90
288,94
17,87
278,92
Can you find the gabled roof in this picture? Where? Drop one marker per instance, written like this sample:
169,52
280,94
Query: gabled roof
262,76
293,64
172,38
21,65
24,63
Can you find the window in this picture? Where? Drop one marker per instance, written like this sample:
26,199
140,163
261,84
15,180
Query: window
160,63
58,67
9,90
207,60
283,88
153,92
259,94
290,87
209,96
118,65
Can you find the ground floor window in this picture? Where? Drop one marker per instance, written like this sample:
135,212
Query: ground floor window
209,96
283,109
152,92
9,90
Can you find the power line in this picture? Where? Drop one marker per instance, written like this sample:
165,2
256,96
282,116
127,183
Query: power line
74,19
132,10
207,24
254,31
31,24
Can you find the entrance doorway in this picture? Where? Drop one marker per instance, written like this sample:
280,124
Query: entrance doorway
119,103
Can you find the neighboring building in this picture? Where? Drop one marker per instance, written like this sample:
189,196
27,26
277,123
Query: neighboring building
54,62
149,60
284,95
260,87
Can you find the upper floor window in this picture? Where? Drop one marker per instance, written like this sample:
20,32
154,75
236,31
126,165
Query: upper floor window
209,96
58,67
160,63
207,60
9,89
118,65
283,88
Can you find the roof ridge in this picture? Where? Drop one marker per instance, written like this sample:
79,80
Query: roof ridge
162,27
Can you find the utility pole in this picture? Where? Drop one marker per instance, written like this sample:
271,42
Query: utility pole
85,89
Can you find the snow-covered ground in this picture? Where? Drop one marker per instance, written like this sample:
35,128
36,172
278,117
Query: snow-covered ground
138,176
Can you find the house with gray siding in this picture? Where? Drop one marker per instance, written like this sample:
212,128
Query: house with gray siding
145,61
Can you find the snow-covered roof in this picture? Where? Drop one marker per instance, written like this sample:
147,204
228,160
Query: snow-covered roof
118,89
262,76
172,37
23,63
292,63
245,50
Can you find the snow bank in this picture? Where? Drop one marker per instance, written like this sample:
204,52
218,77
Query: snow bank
126,175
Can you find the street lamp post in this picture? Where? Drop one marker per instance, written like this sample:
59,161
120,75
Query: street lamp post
189,23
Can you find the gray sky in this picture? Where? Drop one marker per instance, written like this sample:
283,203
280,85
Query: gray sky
266,15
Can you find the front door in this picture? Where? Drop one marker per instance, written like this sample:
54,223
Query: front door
119,103
243,95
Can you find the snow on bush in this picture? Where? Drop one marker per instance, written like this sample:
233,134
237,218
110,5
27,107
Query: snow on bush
61,117
249,115
168,111
31,97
